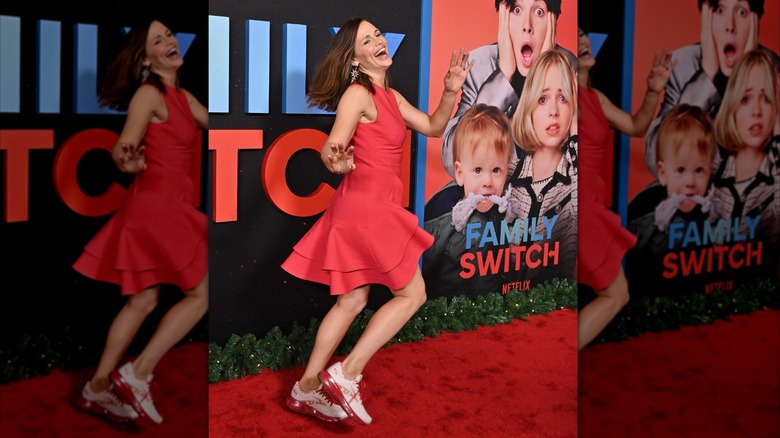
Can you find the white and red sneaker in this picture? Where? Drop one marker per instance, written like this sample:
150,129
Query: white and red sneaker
316,403
346,392
105,403
136,392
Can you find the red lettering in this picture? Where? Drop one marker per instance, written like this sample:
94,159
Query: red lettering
466,262
66,163
670,265
17,144
226,144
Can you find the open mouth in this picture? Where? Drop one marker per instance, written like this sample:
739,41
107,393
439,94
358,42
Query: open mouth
553,129
584,52
527,53
730,55
756,129
381,52
172,53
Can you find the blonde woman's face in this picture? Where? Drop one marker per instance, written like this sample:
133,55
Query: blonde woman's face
756,111
552,114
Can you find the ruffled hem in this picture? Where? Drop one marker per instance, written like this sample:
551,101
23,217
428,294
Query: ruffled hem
602,242
338,257
141,247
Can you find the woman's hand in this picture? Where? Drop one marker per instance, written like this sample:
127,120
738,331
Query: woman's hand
459,69
129,157
661,71
341,159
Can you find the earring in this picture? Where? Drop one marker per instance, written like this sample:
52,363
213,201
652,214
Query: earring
144,73
354,73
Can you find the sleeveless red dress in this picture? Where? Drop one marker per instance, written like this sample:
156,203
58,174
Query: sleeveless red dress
602,241
365,236
156,236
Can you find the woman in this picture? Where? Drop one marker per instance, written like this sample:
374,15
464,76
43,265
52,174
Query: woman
157,236
600,233
365,236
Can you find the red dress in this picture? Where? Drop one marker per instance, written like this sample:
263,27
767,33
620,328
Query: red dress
156,236
602,241
365,236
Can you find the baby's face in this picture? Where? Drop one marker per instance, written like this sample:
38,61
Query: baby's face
482,172
686,172
756,112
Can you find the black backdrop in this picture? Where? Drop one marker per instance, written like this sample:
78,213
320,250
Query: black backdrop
249,291
42,294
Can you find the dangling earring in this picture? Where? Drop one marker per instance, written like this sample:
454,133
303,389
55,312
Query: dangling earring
354,73
144,73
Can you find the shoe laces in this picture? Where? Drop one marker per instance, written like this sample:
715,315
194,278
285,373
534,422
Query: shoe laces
325,395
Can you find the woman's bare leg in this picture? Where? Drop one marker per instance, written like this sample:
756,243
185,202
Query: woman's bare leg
597,314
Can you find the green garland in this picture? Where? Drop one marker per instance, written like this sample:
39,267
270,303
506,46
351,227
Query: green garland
247,355
659,314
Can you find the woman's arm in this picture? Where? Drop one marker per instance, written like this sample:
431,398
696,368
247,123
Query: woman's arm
636,124
433,125
199,111
128,151
354,105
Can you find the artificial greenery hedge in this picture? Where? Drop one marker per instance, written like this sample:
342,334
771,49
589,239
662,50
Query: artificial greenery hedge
243,355
34,355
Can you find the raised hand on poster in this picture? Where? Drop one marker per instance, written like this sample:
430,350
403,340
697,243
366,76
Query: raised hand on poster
506,55
709,57
549,37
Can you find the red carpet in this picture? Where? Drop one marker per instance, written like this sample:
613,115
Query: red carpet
45,406
512,380
715,380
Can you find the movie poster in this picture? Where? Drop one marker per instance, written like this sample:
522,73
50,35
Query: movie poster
703,184
497,224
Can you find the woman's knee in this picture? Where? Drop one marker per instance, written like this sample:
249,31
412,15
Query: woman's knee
145,301
353,302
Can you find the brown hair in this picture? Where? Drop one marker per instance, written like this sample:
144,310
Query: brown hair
725,121
332,76
685,126
482,124
124,73
522,123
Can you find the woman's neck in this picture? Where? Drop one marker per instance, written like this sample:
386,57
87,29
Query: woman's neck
545,162
747,162
583,78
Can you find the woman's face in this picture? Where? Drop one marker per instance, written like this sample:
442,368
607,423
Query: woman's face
162,49
552,114
371,48
756,111
730,29
528,23
584,56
